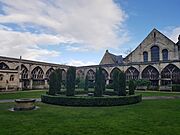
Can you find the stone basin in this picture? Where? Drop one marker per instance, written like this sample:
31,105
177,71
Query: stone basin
24,104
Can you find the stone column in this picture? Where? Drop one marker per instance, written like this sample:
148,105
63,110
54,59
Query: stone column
31,83
107,82
46,84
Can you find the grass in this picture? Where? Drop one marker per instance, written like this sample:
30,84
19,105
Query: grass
152,117
22,94
157,93
38,93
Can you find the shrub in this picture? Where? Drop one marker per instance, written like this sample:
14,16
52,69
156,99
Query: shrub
99,82
176,87
122,84
116,80
52,83
58,80
142,82
109,86
70,81
131,87
91,101
86,83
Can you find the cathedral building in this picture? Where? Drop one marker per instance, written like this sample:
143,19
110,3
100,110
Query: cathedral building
156,59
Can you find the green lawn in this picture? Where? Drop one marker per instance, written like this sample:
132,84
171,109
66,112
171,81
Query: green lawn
37,94
152,117
157,93
22,94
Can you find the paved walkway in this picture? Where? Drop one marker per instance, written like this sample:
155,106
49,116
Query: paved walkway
144,98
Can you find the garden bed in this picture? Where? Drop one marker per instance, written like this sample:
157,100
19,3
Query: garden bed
91,101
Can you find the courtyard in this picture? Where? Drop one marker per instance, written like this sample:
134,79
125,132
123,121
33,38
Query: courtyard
150,117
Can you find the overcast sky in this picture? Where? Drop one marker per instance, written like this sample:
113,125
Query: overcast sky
77,32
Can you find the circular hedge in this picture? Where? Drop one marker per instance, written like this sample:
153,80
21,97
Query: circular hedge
91,101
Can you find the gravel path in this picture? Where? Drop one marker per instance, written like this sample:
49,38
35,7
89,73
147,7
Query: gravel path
143,98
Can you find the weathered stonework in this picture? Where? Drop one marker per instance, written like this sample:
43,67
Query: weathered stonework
161,72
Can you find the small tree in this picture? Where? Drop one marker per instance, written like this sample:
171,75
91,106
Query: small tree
131,87
86,84
103,82
122,84
77,82
59,80
116,80
52,83
98,83
70,81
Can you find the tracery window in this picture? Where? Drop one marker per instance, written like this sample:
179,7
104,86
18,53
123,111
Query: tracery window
48,73
24,73
3,66
91,75
170,74
37,73
132,73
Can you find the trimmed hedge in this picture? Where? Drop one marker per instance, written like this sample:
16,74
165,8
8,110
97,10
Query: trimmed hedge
91,101
176,87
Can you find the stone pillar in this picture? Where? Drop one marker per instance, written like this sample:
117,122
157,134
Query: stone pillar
31,83
6,85
107,82
46,84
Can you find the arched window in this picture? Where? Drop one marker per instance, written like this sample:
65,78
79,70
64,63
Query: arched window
152,74
37,73
91,75
165,54
48,73
145,56
80,74
11,78
132,73
155,53
24,73
3,66
170,74
1,77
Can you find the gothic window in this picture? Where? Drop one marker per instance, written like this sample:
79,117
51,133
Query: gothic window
165,54
150,73
24,72
3,66
145,56
170,74
37,73
48,73
132,73
155,53
11,78
91,75
80,74
1,77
